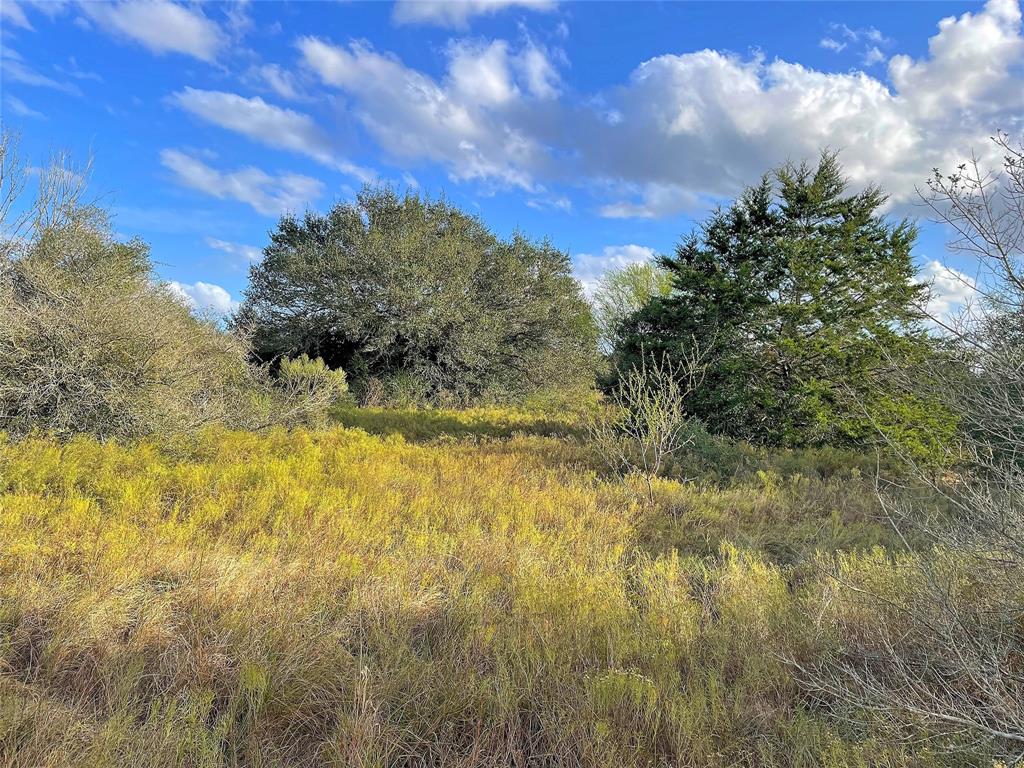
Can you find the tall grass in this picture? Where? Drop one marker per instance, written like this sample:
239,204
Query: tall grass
345,599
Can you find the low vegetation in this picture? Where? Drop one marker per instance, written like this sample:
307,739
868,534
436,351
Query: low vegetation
340,598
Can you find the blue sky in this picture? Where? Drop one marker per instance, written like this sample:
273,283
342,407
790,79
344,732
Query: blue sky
607,127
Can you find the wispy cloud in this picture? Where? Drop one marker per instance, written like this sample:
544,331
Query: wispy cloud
21,109
73,70
16,70
870,39
12,12
268,194
457,13
248,252
160,26
267,124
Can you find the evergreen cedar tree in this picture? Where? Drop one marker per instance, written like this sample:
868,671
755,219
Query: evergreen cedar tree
410,287
802,296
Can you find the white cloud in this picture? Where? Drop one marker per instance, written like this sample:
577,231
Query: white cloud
239,21
692,128
250,252
656,200
15,70
949,290
467,122
590,268
161,26
541,78
10,10
282,82
873,55
265,123
457,13
831,44
267,194
706,123
205,298
860,34
969,66
21,109
481,73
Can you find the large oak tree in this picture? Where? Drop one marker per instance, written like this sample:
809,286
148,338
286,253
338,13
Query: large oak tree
408,286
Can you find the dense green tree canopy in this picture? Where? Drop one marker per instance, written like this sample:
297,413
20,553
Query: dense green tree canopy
801,294
406,286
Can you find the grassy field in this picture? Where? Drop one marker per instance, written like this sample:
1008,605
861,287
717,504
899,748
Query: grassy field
424,589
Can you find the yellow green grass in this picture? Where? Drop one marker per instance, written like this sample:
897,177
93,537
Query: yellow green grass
342,598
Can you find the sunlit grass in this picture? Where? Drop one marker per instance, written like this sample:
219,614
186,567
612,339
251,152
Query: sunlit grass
341,598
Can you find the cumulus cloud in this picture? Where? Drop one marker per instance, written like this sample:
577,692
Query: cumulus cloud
267,194
949,290
161,26
469,122
204,298
266,124
688,129
970,65
457,13
249,252
589,268
707,122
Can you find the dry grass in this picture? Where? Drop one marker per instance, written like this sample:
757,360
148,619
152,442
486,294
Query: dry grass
346,599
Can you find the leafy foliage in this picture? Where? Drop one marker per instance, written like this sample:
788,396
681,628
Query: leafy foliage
390,287
803,294
948,640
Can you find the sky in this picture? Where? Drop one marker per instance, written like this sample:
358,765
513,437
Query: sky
610,128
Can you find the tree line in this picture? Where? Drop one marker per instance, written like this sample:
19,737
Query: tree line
802,295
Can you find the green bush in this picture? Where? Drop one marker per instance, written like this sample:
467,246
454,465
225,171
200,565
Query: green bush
312,377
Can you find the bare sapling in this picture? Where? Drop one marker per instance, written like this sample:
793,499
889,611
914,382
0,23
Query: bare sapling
647,422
